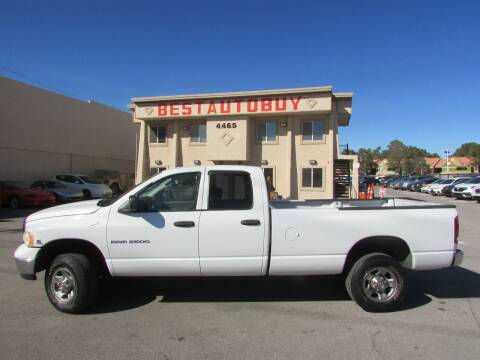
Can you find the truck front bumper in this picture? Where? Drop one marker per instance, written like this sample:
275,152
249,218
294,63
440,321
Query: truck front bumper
458,258
25,260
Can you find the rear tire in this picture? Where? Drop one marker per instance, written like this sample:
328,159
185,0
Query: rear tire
376,282
71,283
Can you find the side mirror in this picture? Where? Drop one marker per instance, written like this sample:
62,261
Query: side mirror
133,203
131,206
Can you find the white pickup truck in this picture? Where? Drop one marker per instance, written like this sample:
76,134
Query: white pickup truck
217,221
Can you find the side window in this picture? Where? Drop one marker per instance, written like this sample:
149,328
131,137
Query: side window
230,190
172,193
60,177
38,184
72,179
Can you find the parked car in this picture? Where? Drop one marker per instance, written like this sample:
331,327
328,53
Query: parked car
389,181
447,190
466,189
17,194
411,180
218,221
59,190
367,179
89,186
118,181
427,187
395,184
383,180
476,194
417,185
437,188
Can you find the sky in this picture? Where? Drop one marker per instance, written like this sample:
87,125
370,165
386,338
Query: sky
413,66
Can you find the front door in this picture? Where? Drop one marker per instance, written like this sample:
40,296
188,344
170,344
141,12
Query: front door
233,236
161,239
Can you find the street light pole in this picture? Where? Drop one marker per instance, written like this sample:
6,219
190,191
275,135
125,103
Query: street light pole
447,152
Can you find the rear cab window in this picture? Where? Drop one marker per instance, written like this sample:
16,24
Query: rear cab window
230,190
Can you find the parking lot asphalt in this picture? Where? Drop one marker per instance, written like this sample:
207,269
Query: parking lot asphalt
241,318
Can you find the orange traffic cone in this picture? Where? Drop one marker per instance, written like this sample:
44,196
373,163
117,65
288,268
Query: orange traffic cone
370,192
382,192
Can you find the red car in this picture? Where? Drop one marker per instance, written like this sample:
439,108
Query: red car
17,194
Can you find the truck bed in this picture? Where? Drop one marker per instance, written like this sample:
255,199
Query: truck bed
314,237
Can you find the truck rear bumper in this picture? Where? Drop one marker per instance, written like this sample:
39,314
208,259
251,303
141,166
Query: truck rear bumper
25,260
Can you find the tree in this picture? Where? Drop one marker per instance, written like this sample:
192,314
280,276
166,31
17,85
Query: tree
395,154
368,160
415,161
470,150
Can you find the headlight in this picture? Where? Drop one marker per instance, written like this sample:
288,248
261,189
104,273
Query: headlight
28,239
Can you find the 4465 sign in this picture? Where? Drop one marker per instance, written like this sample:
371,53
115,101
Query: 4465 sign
226,125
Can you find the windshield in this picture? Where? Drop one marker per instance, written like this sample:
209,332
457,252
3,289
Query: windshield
475,180
446,181
16,185
90,180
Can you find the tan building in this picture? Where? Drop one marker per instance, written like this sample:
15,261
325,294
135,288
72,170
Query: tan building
43,133
291,133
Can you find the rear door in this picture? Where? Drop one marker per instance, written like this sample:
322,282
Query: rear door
233,237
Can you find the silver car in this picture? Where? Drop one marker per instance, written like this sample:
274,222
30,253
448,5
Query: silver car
466,190
60,191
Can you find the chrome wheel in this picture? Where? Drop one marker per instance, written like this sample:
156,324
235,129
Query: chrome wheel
62,285
380,284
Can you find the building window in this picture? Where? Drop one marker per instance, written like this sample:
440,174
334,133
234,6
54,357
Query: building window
313,130
266,131
158,134
312,178
198,133
156,170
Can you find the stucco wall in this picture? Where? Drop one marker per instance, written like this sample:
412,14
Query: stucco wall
44,133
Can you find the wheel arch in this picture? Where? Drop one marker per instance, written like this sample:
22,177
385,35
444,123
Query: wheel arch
49,251
390,245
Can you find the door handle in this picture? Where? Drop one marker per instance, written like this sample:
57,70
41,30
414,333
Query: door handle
250,222
184,224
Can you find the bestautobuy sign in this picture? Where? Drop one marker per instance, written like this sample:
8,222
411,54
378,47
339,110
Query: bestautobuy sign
241,106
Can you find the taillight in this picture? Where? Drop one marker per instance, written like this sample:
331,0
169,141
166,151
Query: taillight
456,230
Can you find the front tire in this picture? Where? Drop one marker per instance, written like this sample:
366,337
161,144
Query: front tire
376,282
71,283
87,194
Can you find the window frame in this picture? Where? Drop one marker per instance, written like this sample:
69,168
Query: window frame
266,142
311,187
193,142
151,131
312,140
234,172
